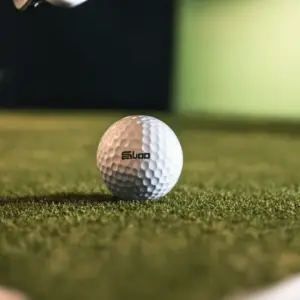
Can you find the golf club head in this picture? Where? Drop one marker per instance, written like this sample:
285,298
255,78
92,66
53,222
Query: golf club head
21,5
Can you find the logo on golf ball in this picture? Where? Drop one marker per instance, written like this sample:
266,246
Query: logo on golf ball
133,155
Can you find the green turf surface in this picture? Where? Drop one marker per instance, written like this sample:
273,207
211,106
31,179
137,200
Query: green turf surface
232,222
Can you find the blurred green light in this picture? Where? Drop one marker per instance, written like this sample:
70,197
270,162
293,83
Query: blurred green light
238,58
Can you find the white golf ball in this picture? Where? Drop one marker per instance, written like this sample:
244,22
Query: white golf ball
139,158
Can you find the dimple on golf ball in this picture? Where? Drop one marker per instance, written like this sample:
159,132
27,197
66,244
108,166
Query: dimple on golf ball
139,158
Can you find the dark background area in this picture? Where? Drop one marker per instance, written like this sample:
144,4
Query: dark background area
102,54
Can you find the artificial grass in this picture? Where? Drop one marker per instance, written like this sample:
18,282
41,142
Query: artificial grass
231,223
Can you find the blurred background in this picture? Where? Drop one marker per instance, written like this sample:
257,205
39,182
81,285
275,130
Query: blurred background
235,58
103,54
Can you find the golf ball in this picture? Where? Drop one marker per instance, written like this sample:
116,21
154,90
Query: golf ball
139,158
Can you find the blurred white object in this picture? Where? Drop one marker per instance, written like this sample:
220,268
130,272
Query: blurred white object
66,3
8,294
289,289
24,4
